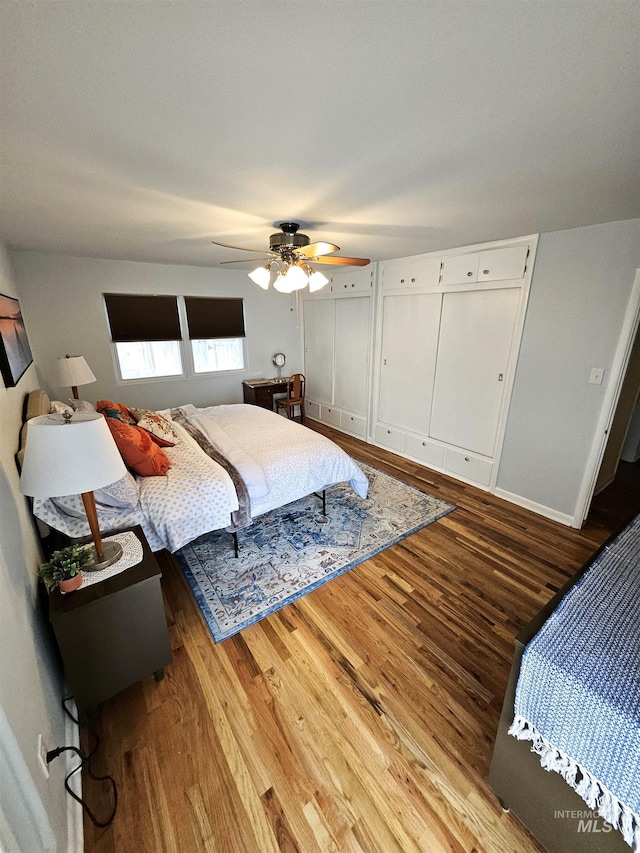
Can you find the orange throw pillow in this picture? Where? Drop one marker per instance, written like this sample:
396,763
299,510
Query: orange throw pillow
118,411
139,452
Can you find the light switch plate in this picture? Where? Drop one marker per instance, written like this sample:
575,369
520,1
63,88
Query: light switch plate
596,376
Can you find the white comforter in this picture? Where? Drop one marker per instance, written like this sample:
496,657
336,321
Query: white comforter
279,460
294,461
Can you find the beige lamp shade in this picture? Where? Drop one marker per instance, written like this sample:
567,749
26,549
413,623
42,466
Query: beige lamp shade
69,456
73,370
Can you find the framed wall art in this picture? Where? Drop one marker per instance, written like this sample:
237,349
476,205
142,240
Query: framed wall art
15,352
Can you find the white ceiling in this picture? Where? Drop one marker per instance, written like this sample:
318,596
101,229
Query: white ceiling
143,129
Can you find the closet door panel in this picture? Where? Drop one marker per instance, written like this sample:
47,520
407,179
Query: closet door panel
408,356
352,354
318,349
475,342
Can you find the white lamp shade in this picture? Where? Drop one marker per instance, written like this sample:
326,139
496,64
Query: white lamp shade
69,458
282,284
261,276
316,281
74,370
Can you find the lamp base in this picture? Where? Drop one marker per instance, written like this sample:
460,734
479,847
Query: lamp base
112,553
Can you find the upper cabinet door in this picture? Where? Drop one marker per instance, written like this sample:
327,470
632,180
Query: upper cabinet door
476,331
460,269
353,280
502,264
492,265
403,275
318,349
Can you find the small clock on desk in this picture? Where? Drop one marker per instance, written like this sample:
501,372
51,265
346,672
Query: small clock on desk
279,360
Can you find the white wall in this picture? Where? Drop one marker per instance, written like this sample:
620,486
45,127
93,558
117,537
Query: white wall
62,303
30,682
579,293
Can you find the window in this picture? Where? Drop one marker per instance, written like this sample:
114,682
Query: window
148,334
216,332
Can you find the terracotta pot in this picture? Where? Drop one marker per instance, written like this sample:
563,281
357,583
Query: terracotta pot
71,584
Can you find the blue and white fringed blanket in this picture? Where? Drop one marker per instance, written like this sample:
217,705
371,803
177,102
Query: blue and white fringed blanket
578,694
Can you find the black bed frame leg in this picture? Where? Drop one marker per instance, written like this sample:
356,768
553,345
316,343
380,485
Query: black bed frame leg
235,544
324,501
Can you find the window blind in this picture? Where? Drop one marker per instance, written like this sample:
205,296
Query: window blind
214,318
142,318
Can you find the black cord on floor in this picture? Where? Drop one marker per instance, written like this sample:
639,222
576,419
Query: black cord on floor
85,762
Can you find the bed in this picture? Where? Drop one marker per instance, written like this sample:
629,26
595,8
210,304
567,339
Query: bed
567,754
252,456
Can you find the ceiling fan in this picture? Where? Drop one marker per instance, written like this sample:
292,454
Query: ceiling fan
292,254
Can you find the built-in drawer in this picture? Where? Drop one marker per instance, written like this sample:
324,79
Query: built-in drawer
353,424
329,415
312,410
471,467
426,451
389,437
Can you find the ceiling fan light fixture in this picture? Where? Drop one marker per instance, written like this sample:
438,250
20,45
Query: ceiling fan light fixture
261,276
317,281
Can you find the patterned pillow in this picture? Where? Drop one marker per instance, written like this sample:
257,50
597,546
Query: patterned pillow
137,449
117,411
160,429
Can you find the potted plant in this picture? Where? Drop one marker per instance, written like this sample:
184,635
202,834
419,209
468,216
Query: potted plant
64,568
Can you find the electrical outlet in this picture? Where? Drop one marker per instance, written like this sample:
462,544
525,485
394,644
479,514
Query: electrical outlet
42,756
596,376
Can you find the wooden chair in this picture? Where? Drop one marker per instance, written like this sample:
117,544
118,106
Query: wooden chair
295,397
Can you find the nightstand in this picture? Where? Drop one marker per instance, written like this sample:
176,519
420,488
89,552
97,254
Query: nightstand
112,633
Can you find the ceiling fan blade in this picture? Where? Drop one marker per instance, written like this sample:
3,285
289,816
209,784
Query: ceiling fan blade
246,260
346,262
241,248
320,248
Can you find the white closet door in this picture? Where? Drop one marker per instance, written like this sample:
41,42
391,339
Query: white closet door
408,356
352,354
475,341
318,349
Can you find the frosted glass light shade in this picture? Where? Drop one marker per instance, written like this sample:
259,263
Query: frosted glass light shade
317,280
283,284
73,370
261,276
69,457
297,278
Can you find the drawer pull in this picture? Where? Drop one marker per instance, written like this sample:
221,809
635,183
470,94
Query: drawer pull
485,272
401,281
466,458
469,274
413,279
388,432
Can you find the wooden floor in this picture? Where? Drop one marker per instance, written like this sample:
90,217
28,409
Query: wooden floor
360,718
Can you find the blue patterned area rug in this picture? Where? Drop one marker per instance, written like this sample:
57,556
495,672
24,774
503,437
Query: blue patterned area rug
293,550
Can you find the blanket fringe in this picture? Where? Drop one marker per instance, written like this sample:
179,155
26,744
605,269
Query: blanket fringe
594,793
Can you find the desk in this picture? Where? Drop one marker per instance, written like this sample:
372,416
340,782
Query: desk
260,392
113,633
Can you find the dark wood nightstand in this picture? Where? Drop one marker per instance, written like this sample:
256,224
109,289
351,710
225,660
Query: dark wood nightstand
112,633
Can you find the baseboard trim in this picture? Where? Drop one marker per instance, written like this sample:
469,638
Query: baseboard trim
75,830
539,509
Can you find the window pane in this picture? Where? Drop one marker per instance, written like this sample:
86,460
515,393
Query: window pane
146,359
217,354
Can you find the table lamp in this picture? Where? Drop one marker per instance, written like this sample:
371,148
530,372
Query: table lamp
70,455
73,370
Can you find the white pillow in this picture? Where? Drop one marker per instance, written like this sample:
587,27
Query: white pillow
59,408
81,405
